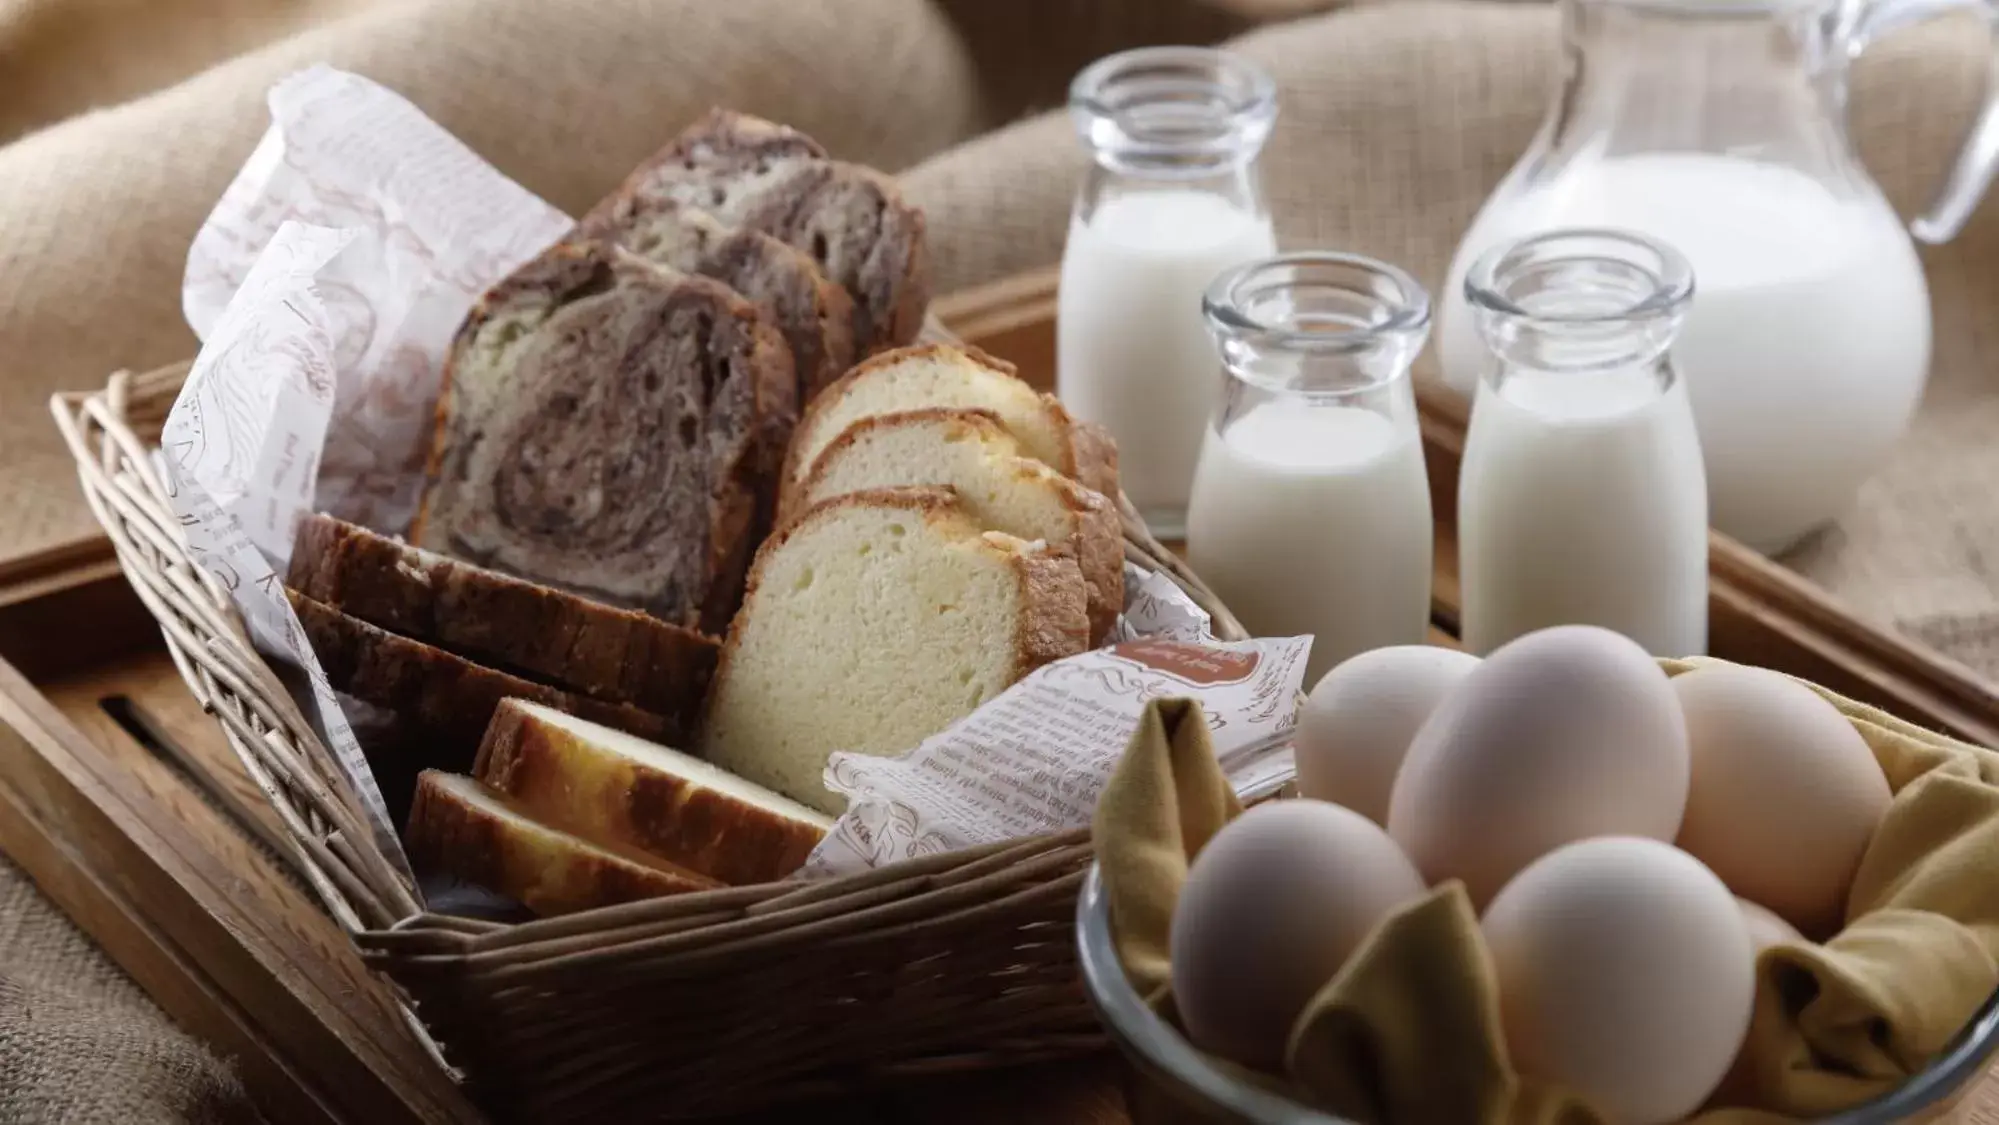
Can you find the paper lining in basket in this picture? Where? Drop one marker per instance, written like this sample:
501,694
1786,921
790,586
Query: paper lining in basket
327,286
1035,758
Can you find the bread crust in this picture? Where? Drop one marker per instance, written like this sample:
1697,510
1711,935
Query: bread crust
1093,454
721,125
611,654
791,499
912,298
1098,541
1056,624
447,698
731,474
561,779
550,874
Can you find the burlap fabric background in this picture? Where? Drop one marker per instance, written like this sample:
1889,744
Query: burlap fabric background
80,1042
1398,119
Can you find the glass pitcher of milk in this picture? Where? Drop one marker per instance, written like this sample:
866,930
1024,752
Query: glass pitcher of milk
1171,199
1581,496
1718,127
1310,510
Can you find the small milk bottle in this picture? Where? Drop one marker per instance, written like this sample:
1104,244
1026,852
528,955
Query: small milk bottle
1582,498
1170,201
1310,510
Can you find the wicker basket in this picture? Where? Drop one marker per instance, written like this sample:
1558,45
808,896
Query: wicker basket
673,1008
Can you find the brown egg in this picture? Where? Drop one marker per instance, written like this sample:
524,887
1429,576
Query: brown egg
1270,910
1785,793
1563,734
1356,725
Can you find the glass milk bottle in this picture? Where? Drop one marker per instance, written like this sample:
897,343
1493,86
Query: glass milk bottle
1582,498
1310,510
1719,128
1171,200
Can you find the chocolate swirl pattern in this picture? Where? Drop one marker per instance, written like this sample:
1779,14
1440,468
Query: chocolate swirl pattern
759,176
815,315
614,428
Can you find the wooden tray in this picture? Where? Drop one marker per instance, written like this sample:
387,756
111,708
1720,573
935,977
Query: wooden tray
121,799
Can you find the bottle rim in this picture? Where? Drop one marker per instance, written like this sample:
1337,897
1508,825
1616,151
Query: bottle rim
1645,279
1197,104
1719,9
1238,305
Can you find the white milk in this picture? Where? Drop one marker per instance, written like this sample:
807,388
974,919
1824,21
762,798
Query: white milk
1316,520
1808,343
1581,501
1134,353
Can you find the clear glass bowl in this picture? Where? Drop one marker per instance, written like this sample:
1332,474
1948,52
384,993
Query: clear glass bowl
1177,1084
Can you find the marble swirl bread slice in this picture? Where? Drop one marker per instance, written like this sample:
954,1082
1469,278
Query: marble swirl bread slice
754,174
612,428
571,642
815,315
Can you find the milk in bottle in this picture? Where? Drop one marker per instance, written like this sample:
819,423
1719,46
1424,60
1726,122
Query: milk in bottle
1310,510
1581,496
1171,200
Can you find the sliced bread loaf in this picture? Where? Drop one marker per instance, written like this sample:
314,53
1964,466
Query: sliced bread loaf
815,315
612,788
612,428
970,453
459,828
445,701
616,655
874,620
963,378
751,173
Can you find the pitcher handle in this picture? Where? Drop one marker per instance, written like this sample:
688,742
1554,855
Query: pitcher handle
1978,157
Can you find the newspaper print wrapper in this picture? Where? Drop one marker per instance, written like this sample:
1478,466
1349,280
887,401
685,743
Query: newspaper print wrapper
326,287
1035,758
442,226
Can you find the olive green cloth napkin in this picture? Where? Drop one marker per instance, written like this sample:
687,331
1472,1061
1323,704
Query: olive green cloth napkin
1408,1031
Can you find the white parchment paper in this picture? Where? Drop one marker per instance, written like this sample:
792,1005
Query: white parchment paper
437,224
326,287
1035,758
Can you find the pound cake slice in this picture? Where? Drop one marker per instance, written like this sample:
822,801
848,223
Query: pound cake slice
969,452
612,788
443,701
815,315
752,173
614,429
963,378
459,828
875,620
616,655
